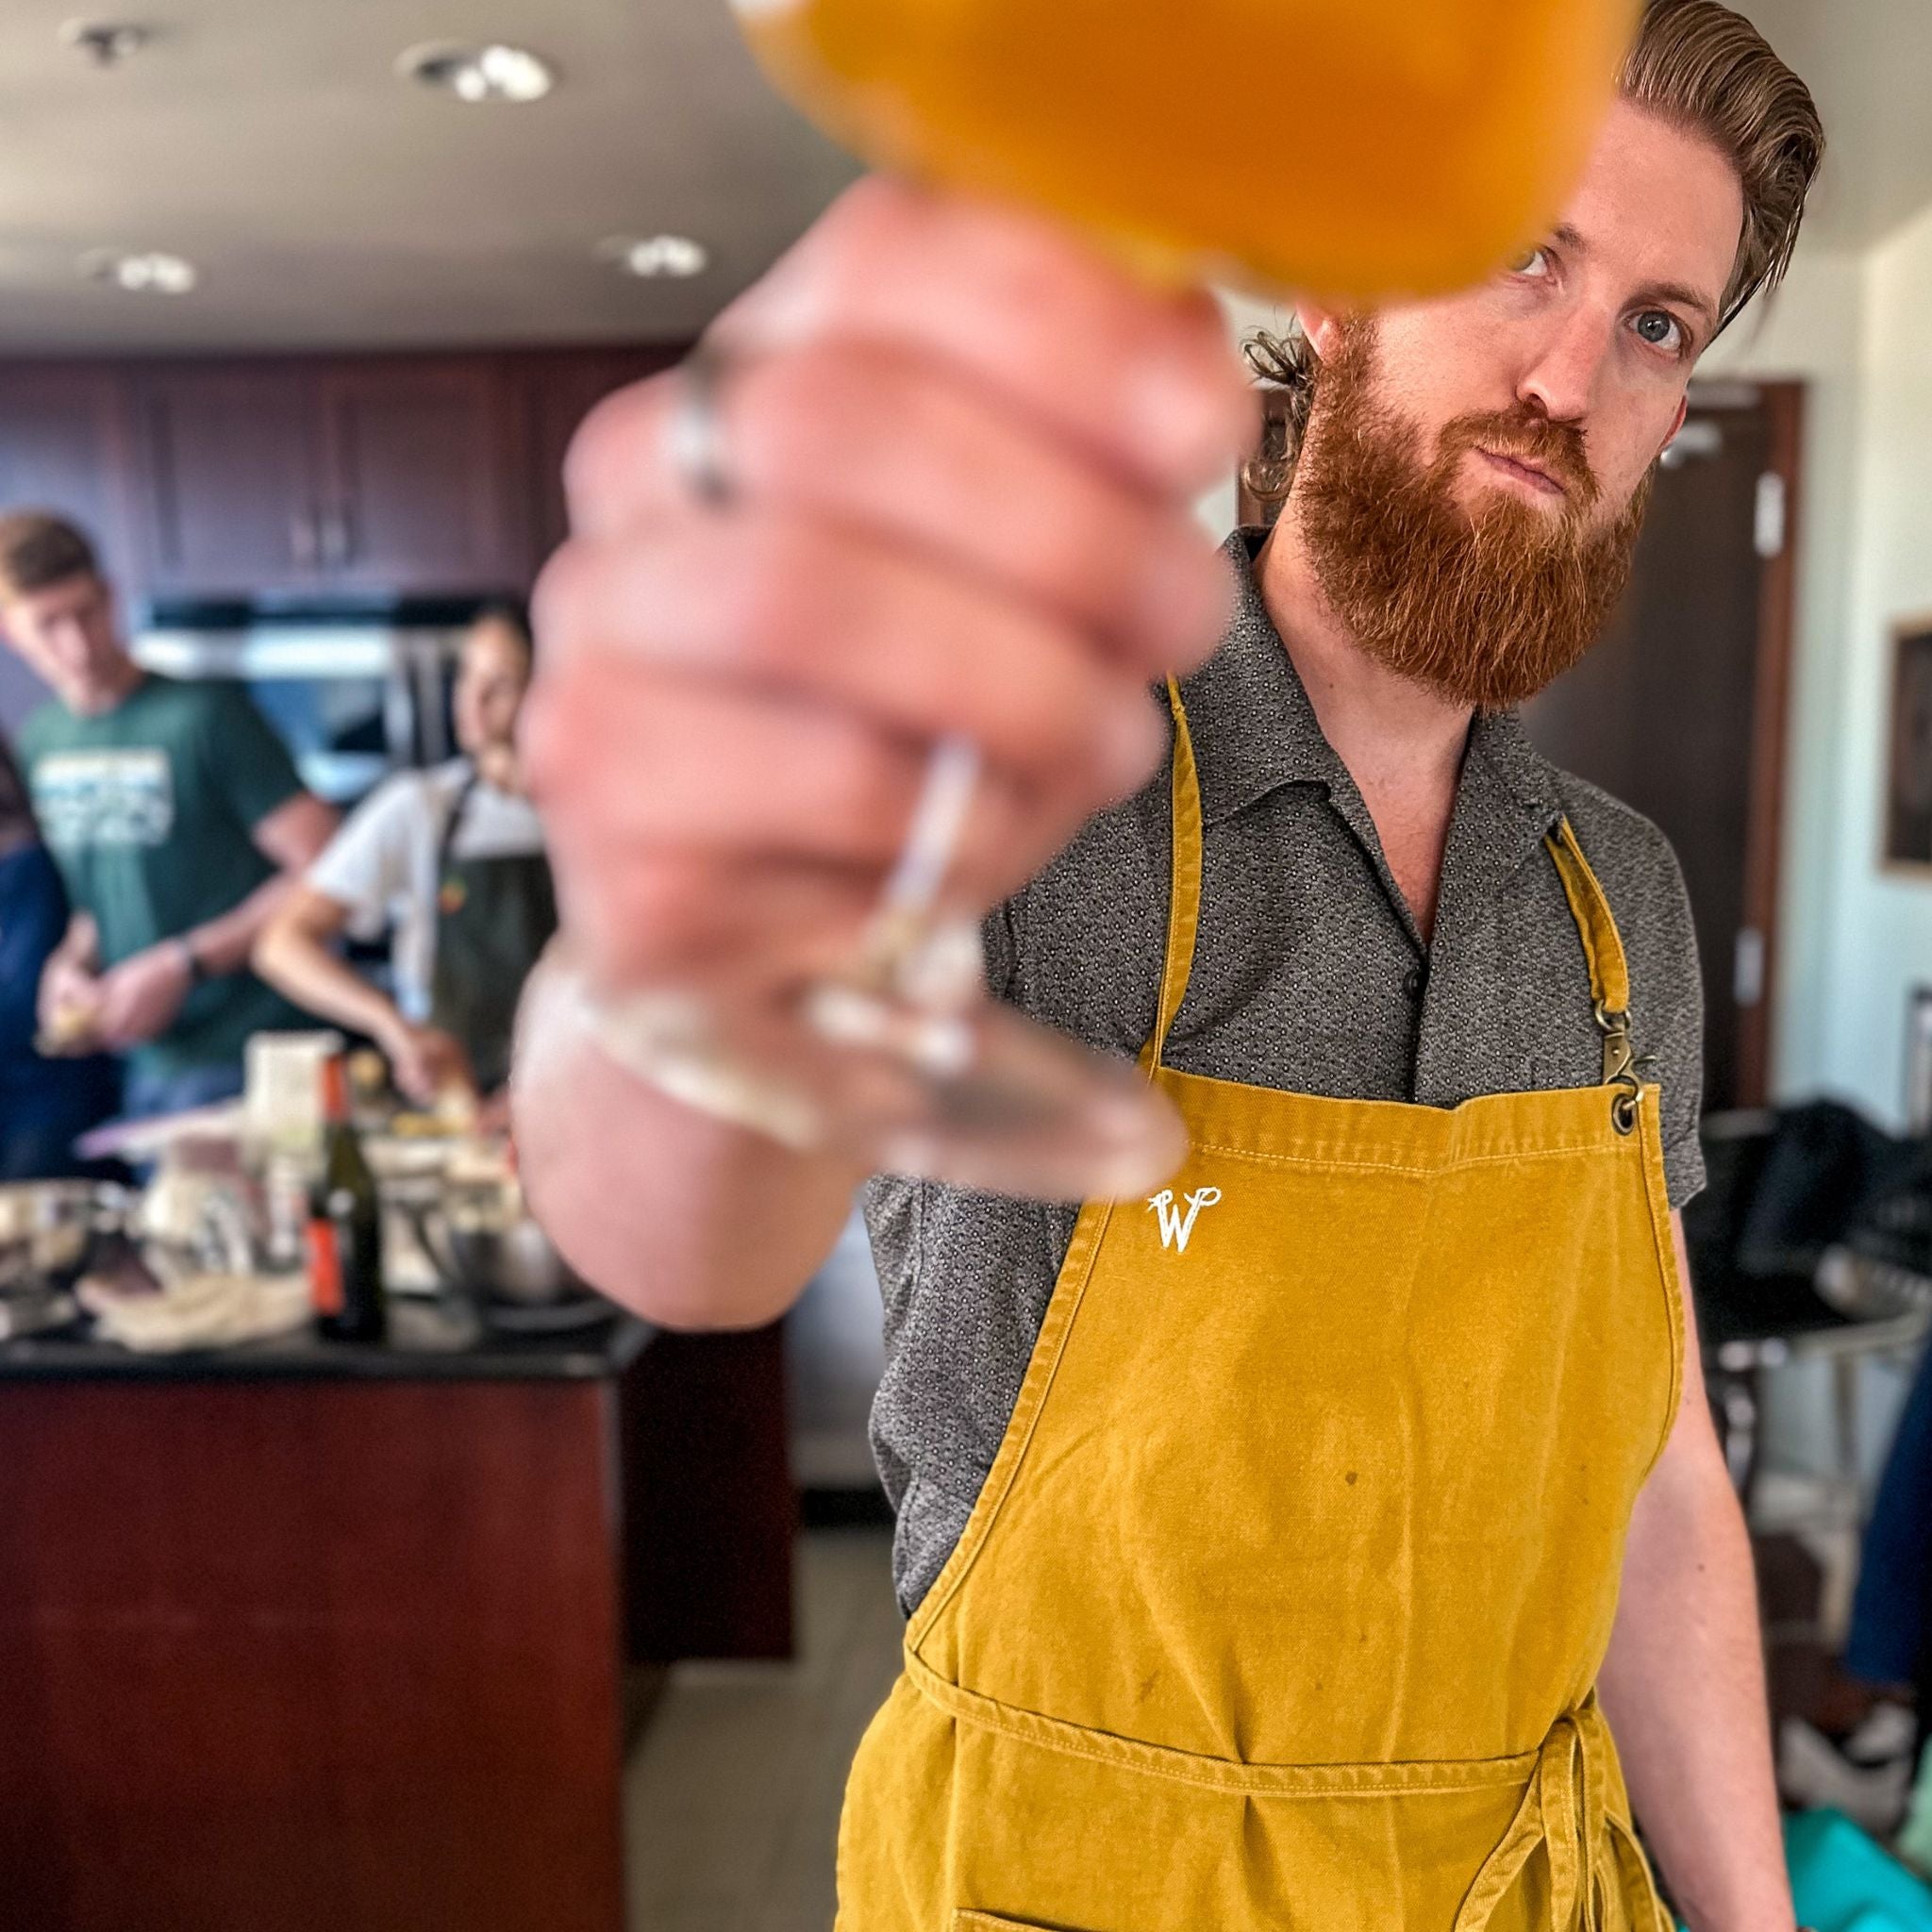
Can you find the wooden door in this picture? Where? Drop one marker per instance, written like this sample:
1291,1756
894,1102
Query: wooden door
421,465
63,447
227,484
1680,710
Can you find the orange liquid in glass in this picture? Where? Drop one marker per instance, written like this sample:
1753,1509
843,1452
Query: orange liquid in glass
1353,149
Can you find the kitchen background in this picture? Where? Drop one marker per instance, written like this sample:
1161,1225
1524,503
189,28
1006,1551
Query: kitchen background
301,331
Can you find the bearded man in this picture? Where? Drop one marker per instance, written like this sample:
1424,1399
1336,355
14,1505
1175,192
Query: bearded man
1290,1554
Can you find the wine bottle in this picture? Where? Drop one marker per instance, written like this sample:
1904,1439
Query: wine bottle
344,1224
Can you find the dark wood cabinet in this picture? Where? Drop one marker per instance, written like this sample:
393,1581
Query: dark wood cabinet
380,474
421,468
391,475
335,1638
63,447
227,484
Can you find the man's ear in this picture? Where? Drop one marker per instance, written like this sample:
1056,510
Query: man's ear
1321,326
1677,423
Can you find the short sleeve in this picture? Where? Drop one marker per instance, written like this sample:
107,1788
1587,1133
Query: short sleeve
365,867
1645,886
1667,1002
249,764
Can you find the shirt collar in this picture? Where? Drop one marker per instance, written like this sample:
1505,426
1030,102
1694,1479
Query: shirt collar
1255,727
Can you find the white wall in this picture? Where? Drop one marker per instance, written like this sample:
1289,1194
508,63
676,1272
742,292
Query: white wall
1880,930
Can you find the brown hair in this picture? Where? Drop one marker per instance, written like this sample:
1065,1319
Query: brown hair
1698,65
1712,72
501,613
39,549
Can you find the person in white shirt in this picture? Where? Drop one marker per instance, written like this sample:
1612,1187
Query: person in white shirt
450,861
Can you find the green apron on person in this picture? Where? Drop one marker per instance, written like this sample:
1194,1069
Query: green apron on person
493,917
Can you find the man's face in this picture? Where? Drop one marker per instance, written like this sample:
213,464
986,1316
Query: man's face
492,678
1479,465
70,635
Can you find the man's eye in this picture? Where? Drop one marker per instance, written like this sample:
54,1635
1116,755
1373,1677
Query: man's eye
1659,330
1532,261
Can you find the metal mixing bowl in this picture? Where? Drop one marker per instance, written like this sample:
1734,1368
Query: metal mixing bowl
478,1249
50,1230
519,1263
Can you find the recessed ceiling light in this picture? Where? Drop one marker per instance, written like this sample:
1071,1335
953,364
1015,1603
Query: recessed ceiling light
106,43
149,271
492,73
674,258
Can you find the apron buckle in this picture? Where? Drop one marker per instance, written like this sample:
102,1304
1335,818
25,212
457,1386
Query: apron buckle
1620,1067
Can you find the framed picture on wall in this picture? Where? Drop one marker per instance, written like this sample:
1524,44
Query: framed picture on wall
1908,767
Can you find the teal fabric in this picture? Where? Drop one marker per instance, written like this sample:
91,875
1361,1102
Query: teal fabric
149,811
1843,1881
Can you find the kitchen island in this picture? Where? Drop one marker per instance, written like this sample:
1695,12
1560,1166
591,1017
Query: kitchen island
313,1636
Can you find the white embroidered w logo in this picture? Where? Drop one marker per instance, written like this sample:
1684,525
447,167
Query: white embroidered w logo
1176,1226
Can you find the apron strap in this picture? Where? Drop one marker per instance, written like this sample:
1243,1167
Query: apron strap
1184,887
1603,945
451,824
1609,970
1602,948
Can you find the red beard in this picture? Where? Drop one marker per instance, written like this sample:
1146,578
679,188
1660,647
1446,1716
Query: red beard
1485,607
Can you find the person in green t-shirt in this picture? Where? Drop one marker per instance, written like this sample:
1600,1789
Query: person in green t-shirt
176,820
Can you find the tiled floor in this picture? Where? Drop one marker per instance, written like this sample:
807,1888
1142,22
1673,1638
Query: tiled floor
731,1797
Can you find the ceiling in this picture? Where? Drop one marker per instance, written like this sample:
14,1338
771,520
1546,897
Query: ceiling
328,203
1868,63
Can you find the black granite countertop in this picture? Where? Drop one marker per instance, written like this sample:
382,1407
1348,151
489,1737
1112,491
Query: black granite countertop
428,1342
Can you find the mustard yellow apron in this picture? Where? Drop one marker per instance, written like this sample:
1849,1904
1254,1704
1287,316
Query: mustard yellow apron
1284,1601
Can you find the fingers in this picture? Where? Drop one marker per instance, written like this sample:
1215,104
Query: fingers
426,1061
788,607
667,918
414,1079
650,762
884,441
1145,381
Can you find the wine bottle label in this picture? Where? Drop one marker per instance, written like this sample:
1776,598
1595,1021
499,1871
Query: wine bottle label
324,1268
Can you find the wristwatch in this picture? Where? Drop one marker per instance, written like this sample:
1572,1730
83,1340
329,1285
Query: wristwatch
197,967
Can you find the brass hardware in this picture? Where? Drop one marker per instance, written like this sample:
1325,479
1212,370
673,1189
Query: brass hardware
1620,1055
1620,1067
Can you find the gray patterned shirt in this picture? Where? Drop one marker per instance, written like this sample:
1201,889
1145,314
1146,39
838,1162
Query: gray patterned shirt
1310,974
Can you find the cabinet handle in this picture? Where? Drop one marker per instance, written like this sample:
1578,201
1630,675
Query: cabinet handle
303,540
338,539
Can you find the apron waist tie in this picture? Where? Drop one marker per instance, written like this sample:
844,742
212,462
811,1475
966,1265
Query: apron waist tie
1564,1810
1565,1786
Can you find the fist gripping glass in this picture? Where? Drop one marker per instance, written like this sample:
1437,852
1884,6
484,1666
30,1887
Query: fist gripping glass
1358,150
